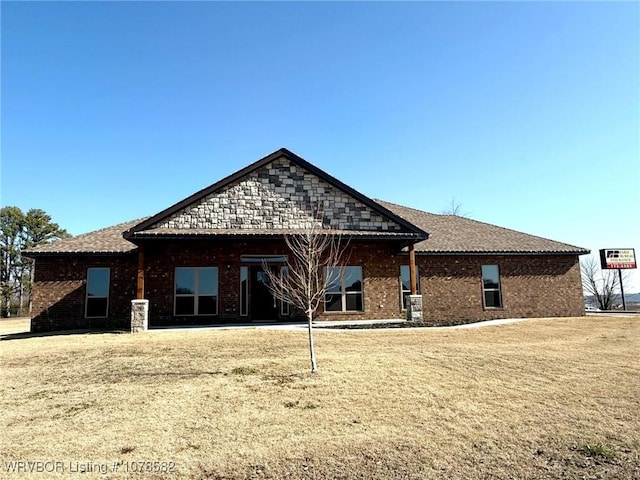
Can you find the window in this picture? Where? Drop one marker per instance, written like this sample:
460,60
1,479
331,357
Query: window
284,306
405,284
97,303
196,291
244,291
491,286
344,289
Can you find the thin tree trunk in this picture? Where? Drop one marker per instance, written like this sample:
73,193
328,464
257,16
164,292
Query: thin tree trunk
20,291
312,350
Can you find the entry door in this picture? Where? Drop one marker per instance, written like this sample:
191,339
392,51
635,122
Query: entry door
263,305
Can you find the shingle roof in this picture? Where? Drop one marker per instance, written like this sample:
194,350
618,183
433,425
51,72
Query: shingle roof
459,235
104,241
448,234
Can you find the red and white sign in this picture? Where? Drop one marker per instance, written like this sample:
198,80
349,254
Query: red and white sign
614,258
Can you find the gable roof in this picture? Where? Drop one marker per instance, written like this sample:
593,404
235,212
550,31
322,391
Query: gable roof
264,177
451,234
448,234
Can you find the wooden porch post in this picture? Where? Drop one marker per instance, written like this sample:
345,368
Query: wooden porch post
140,292
412,269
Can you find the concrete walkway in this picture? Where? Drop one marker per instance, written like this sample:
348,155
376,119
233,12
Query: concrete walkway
486,323
333,324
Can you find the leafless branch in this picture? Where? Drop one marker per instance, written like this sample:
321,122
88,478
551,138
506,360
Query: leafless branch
454,208
315,262
603,285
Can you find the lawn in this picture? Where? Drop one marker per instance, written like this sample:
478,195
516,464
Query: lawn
547,398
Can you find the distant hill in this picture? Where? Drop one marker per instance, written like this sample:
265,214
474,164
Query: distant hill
629,297
632,300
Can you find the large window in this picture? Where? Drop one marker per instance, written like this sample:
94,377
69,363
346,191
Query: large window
196,291
344,289
405,284
97,302
491,286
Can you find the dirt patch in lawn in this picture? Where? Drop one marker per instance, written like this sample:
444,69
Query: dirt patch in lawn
554,398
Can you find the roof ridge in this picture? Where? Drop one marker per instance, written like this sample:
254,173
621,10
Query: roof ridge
412,208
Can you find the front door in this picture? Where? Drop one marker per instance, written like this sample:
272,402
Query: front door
263,305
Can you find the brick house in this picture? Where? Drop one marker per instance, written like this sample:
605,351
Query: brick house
202,260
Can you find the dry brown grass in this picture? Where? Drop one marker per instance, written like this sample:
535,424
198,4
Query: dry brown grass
554,398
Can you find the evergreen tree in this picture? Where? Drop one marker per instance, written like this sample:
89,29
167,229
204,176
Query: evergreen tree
18,232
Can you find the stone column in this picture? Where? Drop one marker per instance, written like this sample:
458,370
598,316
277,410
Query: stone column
139,315
414,308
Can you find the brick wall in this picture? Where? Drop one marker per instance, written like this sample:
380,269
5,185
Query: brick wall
381,278
532,286
381,273
59,292
161,259
451,286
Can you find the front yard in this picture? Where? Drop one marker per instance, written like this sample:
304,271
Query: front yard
548,398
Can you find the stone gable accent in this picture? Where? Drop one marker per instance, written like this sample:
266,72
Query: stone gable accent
280,195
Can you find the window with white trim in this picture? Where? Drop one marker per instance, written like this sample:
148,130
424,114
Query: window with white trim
491,286
196,291
344,289
97,299
405,284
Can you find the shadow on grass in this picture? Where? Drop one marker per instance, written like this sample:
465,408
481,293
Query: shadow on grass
92,331
79,331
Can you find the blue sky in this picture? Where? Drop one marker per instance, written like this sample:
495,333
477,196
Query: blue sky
527,113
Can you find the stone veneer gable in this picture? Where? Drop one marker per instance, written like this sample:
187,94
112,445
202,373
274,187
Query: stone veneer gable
280,195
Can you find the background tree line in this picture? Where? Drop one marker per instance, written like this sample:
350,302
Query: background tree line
19,231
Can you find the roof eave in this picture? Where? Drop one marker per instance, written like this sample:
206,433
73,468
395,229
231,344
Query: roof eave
138,236
502,252
35,255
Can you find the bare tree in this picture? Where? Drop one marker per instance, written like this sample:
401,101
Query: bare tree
454,208
313,266
603,285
